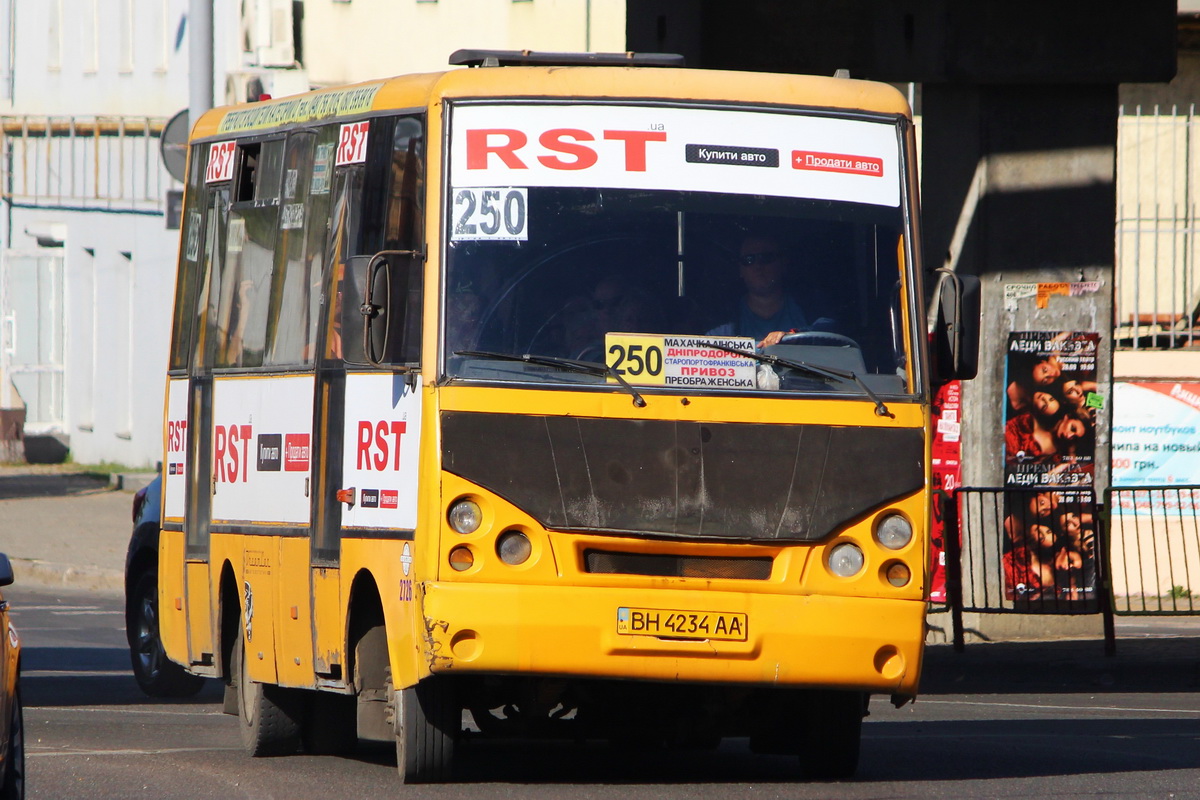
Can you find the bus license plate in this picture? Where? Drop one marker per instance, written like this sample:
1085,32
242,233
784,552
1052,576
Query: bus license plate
681,624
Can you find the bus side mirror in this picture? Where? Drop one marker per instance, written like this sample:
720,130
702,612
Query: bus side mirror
381,309
955,335
6,570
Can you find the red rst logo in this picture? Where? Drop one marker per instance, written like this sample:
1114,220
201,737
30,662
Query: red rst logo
352,143
176,435
220,162
503,143
296,452
230,463
379,444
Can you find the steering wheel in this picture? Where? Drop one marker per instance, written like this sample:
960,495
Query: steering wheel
820,338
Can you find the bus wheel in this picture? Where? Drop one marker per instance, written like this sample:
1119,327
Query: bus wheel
832,732
426,721
270,715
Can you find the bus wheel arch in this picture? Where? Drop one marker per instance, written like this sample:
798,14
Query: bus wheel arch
367,653
423,720
229,613
270,716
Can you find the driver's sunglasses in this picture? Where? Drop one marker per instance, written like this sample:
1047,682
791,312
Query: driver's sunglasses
769,257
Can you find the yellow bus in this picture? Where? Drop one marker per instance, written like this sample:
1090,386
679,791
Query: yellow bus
571,395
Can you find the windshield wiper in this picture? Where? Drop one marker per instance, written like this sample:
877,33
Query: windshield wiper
812,369
568,364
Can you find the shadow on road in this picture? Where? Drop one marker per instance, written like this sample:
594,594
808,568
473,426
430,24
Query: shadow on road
91,676
1154,665
959,750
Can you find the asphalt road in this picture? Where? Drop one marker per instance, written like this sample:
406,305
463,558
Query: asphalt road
91,734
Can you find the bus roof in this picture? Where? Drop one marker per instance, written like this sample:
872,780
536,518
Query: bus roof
584,83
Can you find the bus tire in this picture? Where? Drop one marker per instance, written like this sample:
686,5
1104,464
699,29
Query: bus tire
156,675
832,734
426,721
269,715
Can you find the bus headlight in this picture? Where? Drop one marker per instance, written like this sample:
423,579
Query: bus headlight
894,532
465,516
846,560
513,547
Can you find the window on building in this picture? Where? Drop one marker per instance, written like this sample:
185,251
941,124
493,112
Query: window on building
54,46
90,28
160,35
125,36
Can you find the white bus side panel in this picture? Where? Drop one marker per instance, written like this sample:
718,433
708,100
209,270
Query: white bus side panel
381,446
173,468
262,449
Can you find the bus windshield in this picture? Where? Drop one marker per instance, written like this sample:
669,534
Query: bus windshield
661,283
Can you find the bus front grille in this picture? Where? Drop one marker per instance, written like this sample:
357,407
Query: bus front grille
609,563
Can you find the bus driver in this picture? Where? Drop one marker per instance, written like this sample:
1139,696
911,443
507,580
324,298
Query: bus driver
766,311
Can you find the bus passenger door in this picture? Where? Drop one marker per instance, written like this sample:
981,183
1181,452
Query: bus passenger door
199,469
328,411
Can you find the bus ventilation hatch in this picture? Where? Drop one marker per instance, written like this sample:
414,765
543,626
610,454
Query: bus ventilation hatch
609,563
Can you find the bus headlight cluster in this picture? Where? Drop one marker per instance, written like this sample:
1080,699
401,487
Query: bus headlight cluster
894,532
846,560
465,516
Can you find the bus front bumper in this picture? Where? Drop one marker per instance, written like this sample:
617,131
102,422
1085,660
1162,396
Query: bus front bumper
868,644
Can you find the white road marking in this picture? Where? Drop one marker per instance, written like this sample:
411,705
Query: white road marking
77,673
119,710
1060,708
33,753
19,607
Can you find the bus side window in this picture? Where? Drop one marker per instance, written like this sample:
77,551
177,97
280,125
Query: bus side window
189,268
246,278
343,236
401,155
299,263
405,231
216,229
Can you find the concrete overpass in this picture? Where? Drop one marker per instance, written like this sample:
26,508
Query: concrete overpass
1019,103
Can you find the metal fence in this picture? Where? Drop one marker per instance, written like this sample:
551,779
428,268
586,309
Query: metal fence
95,163
1157,302
1059,551
1025,551
1154,535
1029,550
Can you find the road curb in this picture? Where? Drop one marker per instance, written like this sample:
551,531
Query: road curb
130,481
51,575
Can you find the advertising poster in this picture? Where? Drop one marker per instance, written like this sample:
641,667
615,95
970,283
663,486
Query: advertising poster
1049,554
1051,404
1154,438
947,475
1155,443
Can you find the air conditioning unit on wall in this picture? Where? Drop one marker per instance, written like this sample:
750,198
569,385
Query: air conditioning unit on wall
268,33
